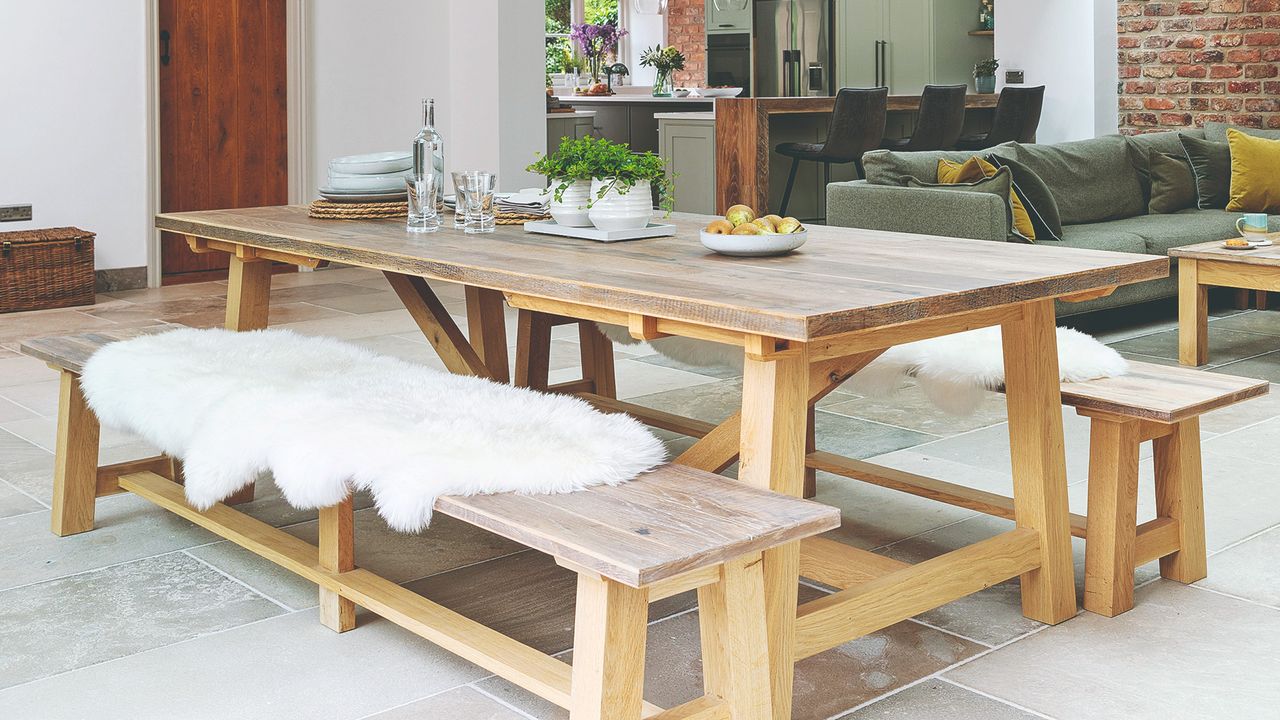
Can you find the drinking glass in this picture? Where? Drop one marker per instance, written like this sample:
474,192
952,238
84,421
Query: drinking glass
422,204
476,191
459,202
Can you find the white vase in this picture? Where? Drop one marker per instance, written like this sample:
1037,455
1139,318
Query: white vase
571,208
628,210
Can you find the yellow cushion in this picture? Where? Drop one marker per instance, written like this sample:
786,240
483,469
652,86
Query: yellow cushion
1255,173
974,169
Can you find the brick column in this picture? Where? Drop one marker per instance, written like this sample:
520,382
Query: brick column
686,28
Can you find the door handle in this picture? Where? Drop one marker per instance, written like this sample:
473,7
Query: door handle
875,57
164,47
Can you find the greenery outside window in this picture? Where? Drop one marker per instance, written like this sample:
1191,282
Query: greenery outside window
562,15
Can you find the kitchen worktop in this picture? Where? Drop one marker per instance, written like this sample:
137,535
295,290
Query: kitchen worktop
575,113
632,99
704,115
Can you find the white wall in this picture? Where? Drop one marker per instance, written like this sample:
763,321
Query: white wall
645,32
74,121
1069,46
372,63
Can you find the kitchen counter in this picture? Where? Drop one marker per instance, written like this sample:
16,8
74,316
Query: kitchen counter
574,114
705,115
633,99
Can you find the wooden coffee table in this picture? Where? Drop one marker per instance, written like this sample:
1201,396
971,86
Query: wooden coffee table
1209,263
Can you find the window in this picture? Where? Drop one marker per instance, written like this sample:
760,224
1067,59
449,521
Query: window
562,15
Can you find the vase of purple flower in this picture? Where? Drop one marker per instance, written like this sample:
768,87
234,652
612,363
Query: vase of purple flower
596,41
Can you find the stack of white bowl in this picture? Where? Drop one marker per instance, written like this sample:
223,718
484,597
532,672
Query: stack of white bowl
375,177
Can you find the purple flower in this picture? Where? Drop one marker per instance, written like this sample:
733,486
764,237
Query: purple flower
596,40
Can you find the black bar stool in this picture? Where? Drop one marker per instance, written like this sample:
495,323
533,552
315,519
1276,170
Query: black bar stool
857,125
939,121
1016,118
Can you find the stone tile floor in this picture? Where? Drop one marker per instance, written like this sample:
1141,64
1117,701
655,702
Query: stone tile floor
150,617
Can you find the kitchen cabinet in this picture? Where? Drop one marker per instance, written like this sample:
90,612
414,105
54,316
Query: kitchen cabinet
728,16
571,125
907,44
688,145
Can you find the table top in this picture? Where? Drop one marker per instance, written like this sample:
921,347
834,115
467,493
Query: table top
842,280
1214,250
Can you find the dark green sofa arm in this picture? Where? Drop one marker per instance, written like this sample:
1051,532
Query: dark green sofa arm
949,213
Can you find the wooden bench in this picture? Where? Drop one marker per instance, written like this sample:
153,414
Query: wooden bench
671,530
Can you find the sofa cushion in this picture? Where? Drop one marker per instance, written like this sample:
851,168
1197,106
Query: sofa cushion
886,167
1161,232
1255,173
1217,132
976,168
1211,163
1036,196
1173,185
1100,236
1141,146
1091,180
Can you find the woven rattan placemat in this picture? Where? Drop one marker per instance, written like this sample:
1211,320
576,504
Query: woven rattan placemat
375,211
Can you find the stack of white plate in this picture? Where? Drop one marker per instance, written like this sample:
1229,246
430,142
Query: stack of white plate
376,177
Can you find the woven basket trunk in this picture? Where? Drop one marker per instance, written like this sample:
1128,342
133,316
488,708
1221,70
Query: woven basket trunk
42,269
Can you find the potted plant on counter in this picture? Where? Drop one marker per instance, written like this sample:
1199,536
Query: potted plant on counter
602,183
665,60
984,75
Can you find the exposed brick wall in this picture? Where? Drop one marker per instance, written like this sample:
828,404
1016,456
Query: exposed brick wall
1186,63
686,21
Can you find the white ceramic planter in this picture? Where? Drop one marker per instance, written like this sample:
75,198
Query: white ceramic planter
621,211
571,209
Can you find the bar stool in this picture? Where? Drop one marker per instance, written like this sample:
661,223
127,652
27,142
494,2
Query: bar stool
1016,118
939,122
857,125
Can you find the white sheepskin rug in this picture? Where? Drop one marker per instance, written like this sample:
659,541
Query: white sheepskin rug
325,417
953,370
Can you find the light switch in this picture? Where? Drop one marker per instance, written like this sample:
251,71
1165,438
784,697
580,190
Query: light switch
14,213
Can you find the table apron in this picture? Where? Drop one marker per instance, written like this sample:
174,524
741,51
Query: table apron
1225,273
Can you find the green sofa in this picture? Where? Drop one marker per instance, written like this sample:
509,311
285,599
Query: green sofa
1099,186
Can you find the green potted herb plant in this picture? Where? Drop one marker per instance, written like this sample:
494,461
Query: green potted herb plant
984,75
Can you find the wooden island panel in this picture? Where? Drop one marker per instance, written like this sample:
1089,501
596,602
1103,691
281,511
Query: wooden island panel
743,145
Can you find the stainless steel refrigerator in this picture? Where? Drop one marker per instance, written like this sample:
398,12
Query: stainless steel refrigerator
793,47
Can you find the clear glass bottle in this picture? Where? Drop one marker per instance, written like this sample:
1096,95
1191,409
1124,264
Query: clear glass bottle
428,151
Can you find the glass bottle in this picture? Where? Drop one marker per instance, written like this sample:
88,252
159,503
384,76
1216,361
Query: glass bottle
428,151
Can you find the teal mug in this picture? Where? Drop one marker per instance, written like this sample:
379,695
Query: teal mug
1252,226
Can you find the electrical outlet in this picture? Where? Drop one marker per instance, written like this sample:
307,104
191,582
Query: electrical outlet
14,213
1013,77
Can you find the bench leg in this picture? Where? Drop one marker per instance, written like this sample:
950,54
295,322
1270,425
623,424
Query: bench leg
735,656
597,359
337,554
1113,508
75,469
248,304
608,650
533,349
1180,496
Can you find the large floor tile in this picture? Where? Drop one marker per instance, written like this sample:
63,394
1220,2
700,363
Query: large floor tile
462,703
346,327
1180,653
938,700
21,370
636,379
873,516
55,626
40,398
856,438
1224,344
13,502
1249,412
1249,570
264,576
11,411
1265,322
25,326
372,300
126,528
720,372
1262,367
283,668
910,408
32,475
988,448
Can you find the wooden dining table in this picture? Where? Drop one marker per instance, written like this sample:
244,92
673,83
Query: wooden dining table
805,322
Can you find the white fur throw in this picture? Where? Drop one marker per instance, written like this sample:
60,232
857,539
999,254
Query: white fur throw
953,370
326,416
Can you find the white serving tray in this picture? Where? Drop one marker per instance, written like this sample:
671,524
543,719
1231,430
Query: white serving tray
551,227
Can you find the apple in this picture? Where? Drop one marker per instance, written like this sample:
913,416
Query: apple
720,227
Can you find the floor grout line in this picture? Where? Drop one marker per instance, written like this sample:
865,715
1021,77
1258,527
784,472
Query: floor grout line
475,685
428,696
996,698
20,491
1223,593
240,582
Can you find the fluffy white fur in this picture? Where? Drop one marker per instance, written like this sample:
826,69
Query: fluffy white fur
953,370
325,416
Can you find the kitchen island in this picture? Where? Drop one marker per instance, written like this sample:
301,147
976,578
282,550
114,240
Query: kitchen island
747,129
628,117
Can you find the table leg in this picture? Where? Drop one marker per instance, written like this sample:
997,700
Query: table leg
775,401
248,302
487,329
1034,400
1193,315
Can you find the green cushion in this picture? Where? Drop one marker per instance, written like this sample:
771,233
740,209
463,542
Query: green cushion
1091,180
1217,132
1140,147
886,167
1211,163
1036,197
1099,236
1173,185
1161,232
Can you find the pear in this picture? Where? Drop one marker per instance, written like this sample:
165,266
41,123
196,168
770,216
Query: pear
747,229
765,224
720,227
789,225
774,219
739,214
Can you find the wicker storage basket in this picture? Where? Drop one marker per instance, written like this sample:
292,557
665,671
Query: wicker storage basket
49,268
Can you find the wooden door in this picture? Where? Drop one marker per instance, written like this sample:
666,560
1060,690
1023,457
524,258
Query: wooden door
223,116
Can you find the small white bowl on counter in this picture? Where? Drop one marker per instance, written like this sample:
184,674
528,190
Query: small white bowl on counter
763,245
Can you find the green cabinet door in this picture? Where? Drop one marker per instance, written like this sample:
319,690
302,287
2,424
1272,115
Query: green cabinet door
859,25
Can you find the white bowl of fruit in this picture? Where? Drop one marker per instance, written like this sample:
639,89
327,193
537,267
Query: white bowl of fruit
741,234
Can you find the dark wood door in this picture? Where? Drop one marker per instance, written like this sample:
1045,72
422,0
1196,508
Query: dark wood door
223,116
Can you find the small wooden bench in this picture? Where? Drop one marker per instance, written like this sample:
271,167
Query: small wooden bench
671,530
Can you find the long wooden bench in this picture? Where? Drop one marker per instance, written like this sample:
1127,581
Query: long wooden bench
671,530
1157,403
